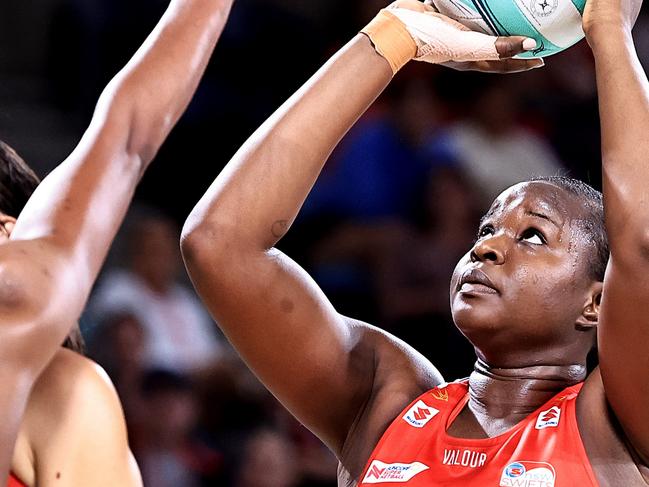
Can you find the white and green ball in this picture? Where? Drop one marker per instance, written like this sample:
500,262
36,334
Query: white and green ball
554,24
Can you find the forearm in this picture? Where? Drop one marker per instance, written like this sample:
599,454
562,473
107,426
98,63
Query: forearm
161,78
268,180
624,114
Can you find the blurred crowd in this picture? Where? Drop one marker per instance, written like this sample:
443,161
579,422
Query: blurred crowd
395,208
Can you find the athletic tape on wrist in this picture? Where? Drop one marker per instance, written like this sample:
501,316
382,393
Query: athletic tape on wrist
440,39
391,40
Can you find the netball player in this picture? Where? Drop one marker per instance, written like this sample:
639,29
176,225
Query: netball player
528,295
53,244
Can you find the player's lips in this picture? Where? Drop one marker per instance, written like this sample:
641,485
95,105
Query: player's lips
475,281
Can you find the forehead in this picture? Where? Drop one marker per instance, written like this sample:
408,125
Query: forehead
538,197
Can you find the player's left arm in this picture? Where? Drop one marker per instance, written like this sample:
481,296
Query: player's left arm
624,111
82,439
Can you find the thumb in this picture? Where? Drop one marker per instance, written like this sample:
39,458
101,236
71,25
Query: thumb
511,46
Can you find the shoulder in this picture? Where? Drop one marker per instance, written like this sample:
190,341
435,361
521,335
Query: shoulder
401,374
75,427
74,374
72,400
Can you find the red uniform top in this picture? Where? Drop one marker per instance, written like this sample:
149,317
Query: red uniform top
14,482
543,450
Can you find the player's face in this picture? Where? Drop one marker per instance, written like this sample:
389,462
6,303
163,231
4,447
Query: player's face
525,282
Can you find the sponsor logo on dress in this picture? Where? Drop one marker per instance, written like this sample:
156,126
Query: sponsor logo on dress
464,458
528,474
392,472
440,394
549,418
420,414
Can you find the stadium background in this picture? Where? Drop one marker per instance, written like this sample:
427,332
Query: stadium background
396,206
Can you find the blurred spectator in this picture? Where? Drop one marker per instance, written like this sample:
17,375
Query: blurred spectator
179,334
119,348
166,451
495,149
374,171
414,268
269,460
372,177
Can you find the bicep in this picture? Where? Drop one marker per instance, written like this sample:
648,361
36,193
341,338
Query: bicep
623,341
314,360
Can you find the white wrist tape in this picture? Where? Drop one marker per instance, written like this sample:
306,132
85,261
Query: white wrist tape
440,39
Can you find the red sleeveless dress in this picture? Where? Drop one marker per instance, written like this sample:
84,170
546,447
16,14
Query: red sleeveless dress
14,482
544,450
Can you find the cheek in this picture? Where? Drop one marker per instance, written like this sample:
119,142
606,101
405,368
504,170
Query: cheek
550,290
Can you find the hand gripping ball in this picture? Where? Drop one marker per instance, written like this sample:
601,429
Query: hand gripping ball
554,24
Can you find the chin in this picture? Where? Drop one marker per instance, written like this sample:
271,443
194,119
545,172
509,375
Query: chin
475,321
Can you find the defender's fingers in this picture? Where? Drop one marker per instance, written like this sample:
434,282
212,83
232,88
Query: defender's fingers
508,47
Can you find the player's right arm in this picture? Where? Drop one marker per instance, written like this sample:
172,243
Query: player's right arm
63,234
319,364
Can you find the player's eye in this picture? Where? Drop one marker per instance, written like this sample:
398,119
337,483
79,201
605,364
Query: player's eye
533,236
485,230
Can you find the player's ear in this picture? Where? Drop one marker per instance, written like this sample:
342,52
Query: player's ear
7,224
589,317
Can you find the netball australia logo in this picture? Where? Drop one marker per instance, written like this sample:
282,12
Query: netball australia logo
380,472
544,8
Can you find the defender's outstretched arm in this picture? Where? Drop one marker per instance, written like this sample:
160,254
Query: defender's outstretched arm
624,112
62,236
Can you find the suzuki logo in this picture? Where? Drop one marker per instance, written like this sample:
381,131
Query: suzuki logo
419,414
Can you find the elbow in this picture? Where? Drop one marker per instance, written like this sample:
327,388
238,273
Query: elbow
15,293
194,243
24,303
203,244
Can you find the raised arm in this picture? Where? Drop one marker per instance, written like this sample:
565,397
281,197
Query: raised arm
624,112
62,236
318,363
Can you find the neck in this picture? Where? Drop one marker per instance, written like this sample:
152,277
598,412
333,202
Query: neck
514,393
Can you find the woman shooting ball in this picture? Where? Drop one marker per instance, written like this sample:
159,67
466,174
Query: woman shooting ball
531,294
